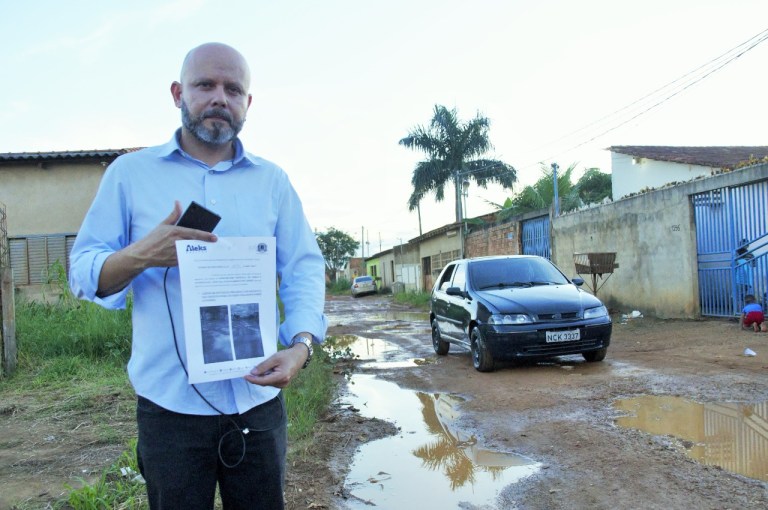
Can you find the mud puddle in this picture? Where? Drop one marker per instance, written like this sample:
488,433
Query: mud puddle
421,318
431,457
377,353
729,435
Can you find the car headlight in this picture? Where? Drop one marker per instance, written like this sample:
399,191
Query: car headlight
511,318
594,313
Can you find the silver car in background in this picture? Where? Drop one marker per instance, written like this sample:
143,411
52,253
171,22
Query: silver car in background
363,285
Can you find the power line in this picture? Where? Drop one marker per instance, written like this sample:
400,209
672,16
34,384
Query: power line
762,36
710,67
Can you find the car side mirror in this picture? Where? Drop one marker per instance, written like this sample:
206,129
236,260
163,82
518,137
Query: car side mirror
454,291
577,281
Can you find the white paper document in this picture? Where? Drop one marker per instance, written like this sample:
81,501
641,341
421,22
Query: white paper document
229,304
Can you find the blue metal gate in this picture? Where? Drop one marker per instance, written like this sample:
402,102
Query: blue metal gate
732,247
536,237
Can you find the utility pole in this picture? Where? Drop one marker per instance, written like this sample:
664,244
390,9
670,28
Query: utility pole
555,198
459,213
457,188
418,210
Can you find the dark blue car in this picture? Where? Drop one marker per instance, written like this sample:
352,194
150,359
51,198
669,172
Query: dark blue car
516,307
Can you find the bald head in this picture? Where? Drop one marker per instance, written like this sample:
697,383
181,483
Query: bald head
216,55
213,96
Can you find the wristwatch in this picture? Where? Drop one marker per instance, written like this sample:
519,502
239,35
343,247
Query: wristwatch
303,339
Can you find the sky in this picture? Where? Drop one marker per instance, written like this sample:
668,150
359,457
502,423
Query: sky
336,84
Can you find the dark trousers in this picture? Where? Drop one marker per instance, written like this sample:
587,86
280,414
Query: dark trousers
182,457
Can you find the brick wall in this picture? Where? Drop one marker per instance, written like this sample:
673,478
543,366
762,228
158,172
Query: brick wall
502,239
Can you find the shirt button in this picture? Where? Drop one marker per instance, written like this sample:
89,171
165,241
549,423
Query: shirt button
211,172
213,202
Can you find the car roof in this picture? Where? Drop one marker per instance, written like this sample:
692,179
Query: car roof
498,257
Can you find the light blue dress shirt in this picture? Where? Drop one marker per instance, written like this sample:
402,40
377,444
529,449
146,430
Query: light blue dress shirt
254,198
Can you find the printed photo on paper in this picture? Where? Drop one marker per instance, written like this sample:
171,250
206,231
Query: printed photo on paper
228,292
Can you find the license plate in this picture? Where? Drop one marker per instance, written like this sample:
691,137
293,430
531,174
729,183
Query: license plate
563,336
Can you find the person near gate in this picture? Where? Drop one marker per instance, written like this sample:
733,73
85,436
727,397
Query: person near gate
752,316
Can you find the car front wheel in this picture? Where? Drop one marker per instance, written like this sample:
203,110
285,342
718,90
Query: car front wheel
482,359
441,346
598,355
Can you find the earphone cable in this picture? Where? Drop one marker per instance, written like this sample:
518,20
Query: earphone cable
243,431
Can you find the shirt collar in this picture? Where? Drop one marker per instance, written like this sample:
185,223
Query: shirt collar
173,147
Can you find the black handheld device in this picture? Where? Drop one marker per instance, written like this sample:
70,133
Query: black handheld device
198,217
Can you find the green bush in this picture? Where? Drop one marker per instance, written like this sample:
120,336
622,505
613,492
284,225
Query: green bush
340,286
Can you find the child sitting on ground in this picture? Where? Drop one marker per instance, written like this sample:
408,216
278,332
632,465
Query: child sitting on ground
752,315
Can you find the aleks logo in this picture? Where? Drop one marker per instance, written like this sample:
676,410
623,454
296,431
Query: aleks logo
196,248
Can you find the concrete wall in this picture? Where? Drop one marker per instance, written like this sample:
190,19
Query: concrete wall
48,199
654,237
630,174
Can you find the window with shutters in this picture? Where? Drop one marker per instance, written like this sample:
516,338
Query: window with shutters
32,256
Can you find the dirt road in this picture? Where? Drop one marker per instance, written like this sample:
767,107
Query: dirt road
574,420
566,425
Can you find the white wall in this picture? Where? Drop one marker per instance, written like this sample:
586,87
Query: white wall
630,174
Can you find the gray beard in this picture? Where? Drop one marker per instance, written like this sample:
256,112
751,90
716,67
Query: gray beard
215,136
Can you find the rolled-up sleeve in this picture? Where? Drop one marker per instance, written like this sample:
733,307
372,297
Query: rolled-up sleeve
104,231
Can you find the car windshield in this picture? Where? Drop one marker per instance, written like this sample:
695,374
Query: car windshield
363,279
514,272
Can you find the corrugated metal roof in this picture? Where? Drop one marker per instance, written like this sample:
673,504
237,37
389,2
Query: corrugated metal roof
108,154
714,156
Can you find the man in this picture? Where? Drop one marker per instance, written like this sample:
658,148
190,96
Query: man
230,432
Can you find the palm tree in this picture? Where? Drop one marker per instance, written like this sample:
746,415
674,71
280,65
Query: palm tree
454,151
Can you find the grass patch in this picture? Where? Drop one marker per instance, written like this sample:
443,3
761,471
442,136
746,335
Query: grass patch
71,369
119,487
339,287
415,299
308,397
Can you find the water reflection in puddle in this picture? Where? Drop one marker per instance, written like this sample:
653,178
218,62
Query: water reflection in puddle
732,436
376,349
430,458
368,348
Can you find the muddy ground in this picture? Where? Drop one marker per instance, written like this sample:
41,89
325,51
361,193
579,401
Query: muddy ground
560,414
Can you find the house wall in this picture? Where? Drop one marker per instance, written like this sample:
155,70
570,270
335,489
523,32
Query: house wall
408,267
354,268
372,269
439,250
52,199
630,174
386,269
654,237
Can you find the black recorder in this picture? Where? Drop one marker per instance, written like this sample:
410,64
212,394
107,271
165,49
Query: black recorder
198,217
